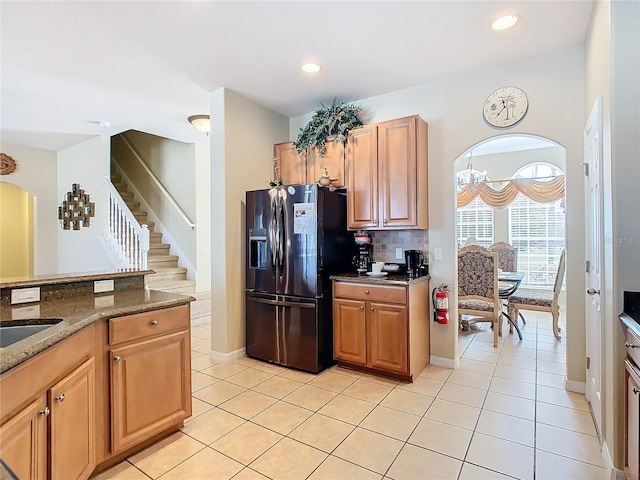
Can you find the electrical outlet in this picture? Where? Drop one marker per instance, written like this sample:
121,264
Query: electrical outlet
25,295
398,254
100,286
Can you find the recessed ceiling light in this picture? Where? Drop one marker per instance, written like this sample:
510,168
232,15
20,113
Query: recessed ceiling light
506,21
104,124
311,67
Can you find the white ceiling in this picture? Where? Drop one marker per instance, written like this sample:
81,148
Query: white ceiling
148,65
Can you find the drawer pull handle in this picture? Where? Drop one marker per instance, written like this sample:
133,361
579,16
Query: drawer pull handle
60,398
636,391
154,322
361,307
366,292
629,345
116,358
44,412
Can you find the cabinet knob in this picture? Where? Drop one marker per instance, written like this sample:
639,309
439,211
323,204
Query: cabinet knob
116,358
60,398
635,390
361,307
384,221
372,309
154,322
629,345
44,412
366,292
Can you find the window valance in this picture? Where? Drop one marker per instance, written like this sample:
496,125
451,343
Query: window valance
539,191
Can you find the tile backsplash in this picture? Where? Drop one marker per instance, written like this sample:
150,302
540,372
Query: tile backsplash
386,242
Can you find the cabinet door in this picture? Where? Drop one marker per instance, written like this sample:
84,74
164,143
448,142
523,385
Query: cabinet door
72,421
150,388
333,161
349,331
362,178
293,167
632,444
388,337
24,441
398,172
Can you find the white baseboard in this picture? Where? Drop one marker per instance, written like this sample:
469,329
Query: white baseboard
614,473
227,357
444,362
573,386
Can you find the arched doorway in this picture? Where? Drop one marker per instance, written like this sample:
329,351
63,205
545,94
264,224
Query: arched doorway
16,232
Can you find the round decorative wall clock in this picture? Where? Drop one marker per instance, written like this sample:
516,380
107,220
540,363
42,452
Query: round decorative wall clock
7,164
505,107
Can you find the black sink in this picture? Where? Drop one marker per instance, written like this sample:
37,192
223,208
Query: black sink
14,331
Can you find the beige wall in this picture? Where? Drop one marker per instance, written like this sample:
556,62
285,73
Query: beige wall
203,217
37,173
16,232
242,138
452,108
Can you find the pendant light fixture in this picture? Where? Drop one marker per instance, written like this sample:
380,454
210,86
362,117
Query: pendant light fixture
201,122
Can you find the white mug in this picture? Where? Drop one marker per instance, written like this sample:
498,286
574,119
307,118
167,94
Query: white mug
376,267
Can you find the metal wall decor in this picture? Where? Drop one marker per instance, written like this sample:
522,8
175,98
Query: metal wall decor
7,164
76,209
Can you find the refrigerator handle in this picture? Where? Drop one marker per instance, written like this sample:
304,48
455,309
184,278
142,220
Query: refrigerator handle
282,223
273,226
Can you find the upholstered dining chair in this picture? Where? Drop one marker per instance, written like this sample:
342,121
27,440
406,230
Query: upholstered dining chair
541,302
478,295
507,256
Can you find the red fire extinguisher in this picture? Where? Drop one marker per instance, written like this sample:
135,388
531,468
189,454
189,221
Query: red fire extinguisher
440,299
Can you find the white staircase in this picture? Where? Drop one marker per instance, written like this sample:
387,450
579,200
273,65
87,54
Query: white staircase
168,276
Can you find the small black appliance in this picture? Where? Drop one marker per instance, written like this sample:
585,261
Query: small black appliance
414,260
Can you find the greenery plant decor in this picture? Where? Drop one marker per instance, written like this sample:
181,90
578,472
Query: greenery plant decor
336,119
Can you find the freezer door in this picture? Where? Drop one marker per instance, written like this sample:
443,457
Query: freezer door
261,326
261,229
297,241
298,335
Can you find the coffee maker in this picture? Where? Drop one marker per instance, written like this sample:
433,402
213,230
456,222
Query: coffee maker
362,258
415,263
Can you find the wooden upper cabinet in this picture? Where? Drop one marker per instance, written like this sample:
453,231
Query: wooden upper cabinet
362,178
394,194
333,161
72,423
293,166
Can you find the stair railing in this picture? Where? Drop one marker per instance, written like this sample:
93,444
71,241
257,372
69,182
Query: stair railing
155,180
128,239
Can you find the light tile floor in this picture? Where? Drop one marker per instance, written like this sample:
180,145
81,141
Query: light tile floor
503,414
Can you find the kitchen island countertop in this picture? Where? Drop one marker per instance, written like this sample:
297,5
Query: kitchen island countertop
390,279
76,313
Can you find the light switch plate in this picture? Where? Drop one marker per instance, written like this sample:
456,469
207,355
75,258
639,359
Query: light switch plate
25,295
398,253
100,286
437,254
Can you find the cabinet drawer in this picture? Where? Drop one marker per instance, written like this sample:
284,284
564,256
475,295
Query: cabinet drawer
147,324
376,293
632,344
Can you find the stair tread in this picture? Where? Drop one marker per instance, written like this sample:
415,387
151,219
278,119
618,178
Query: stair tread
163,257
167,270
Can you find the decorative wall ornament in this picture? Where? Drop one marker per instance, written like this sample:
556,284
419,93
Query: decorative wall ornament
7,164
76,209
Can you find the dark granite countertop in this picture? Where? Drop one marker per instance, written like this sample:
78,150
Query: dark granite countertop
390,279
76,312
58,278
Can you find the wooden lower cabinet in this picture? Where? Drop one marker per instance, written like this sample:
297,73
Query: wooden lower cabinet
23,441
383,329
150,388
632,444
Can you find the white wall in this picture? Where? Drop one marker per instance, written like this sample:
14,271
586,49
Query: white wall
242,138
203,217
36,173
453,109
174,165
85,163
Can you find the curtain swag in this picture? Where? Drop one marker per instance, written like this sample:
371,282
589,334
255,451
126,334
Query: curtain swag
543,192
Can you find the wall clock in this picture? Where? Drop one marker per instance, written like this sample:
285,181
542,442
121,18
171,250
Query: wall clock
505,107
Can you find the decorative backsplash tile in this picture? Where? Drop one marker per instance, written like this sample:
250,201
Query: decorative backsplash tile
386,242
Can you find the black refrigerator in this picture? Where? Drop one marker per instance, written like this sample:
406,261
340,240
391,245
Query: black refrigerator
296,238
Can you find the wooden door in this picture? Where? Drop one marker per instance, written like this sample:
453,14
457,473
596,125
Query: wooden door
73,434
632,444
333,161
349,331
388,337
24,441
398,172
293,167
362,178
150,388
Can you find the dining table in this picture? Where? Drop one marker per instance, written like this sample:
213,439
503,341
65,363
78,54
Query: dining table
508,283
